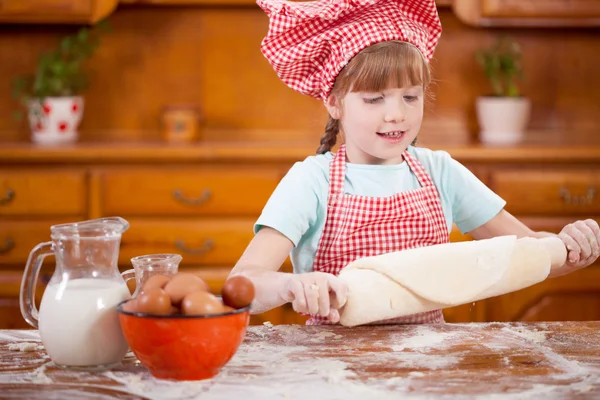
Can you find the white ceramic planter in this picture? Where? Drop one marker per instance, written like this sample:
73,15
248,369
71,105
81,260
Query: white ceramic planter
55,120
502,120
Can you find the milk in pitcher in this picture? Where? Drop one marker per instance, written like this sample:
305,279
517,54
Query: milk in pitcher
79,325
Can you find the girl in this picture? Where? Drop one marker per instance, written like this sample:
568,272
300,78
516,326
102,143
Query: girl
368,61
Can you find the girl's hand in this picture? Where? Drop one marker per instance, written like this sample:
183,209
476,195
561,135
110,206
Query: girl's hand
316,293
582,239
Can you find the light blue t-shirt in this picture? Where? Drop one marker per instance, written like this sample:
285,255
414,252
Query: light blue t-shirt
298,206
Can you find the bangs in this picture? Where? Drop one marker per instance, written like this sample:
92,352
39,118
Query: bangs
383,66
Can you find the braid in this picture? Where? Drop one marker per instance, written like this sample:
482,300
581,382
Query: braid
329,138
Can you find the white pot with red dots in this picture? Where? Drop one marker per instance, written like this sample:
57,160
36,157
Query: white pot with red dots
55,120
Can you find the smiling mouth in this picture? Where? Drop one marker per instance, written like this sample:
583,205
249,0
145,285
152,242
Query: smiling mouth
392,134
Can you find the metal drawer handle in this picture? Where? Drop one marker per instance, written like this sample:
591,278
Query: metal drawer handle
586,199
8,197
8,245
204,197
207,246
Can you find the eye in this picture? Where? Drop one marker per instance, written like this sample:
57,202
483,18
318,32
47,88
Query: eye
372,100
411,98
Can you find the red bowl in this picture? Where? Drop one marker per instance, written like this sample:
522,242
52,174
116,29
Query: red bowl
183,347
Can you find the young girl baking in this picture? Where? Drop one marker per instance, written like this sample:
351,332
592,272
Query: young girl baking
368,62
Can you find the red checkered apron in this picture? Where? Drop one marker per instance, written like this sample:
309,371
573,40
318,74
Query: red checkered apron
362,226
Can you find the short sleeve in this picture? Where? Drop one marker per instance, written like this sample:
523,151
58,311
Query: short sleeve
473,203
292,208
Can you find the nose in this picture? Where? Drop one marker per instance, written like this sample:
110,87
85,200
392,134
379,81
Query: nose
394,110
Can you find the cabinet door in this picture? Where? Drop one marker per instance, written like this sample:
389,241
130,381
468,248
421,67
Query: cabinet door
528,12
10,311
572,297
58,11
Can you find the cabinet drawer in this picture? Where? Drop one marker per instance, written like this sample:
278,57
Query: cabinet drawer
34,192
18,238
573,192
238,190
572,297
200,242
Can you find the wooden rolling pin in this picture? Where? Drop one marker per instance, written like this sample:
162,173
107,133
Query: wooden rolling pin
557,250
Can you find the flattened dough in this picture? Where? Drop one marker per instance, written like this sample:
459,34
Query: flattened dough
445,275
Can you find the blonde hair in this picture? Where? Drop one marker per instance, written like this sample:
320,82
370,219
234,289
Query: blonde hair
378,67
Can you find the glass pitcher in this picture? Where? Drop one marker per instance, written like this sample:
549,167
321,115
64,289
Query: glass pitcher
77,320
151,264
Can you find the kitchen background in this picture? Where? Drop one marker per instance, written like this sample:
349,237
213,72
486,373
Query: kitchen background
200,199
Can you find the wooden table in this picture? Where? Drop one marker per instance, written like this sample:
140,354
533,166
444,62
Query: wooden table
487,361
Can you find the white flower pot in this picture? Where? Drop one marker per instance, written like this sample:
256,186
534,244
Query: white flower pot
502,120
55,120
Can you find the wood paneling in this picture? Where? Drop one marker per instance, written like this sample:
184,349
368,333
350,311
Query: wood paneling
158,56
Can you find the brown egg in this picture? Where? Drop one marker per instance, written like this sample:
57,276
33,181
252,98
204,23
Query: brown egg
174,310
154,301
130,306
227,308
155,281
181,284
238,292
206,287
201,303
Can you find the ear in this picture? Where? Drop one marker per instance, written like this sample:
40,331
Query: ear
333,107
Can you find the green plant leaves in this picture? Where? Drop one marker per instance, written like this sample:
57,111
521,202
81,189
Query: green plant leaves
60,72
502,65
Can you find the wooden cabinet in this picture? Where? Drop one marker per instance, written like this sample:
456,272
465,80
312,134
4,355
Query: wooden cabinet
38,192
201,202
55,11
535,13
209,241
10,311
549,191
211,190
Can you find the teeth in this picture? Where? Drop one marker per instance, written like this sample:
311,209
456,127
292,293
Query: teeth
398,133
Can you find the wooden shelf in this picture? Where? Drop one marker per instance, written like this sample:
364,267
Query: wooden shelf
263,152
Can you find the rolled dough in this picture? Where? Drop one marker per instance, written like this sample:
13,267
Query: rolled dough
446,275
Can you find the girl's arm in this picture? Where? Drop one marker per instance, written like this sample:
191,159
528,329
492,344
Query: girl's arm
313,293
581,238
260,262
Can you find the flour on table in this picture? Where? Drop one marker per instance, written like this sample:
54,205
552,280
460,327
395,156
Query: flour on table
26,346
534,336
289,365
425,338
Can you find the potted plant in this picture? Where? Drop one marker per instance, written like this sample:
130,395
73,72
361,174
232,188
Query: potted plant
52,95
504,115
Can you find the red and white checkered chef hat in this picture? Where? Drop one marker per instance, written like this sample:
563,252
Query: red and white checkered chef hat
308,43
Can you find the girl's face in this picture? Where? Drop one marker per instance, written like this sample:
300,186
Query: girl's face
379,126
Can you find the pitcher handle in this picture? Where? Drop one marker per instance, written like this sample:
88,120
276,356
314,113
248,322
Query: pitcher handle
128,275
28,284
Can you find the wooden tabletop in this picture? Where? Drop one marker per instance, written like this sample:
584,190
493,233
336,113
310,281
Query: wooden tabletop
487,361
